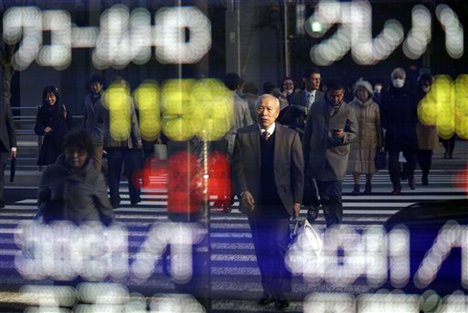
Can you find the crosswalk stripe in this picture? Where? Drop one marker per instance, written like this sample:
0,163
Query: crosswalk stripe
232,253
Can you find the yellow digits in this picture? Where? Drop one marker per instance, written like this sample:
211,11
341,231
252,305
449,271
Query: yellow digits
118,101
446,106
147,102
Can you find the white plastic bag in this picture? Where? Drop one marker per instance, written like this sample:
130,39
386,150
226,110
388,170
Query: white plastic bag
305,251
311,240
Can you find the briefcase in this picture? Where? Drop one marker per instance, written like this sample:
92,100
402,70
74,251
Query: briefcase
381,160
12,169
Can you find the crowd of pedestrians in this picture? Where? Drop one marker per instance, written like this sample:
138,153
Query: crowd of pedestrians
332,137
386,118
287,147
381,118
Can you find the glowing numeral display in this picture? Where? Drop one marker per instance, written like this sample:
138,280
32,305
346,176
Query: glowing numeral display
182,109
446,106
354,32
122,37
376,255
104,297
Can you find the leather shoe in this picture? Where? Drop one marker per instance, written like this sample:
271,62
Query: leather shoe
368,189
281,303
355,191
396,191
312,213
135,201
115,203
266,300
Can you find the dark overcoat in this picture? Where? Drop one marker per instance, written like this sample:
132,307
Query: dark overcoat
7,128
399,117
60,122
77,197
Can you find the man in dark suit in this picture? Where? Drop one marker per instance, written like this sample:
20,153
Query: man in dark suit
330,129
7,144
301,103
268,174
302,100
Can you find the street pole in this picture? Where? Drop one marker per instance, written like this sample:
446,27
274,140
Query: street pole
233,47
287,61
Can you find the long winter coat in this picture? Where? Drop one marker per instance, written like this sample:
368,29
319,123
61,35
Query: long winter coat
326,155
363,150
91,108
77,197
428,138
57,118
102,129
399,118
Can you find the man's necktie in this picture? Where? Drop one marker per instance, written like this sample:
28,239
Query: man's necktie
311,99
265,135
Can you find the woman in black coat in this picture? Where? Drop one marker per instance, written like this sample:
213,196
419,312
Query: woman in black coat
53,121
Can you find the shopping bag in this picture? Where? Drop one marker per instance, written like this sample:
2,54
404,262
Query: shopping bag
312,239
306,249
307,238
160,151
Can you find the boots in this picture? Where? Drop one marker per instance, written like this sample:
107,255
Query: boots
425,180
368,189
355,190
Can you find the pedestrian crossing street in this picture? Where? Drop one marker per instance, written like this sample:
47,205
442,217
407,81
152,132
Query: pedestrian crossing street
235,279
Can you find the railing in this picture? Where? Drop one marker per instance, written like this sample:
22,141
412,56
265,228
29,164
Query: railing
23,122
25,119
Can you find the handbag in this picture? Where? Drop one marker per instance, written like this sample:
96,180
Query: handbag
381,160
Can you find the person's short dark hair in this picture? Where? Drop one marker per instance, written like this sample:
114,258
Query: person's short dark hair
249,87
268,87
288,78
79,139
308,72
97,79
50,89
334,86
425,79
232,81
378,82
